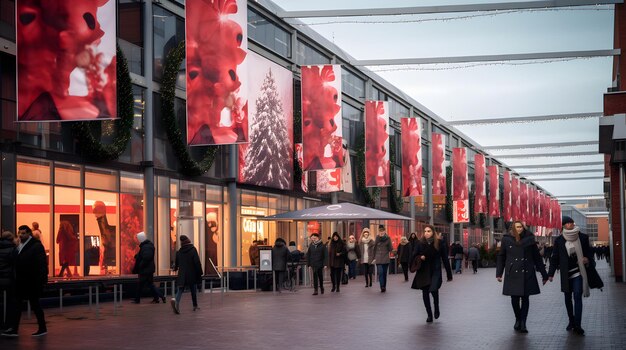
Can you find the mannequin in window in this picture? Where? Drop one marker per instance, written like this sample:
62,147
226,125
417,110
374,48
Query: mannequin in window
107,237
68,247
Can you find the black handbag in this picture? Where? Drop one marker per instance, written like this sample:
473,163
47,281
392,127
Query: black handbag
416,264
593,278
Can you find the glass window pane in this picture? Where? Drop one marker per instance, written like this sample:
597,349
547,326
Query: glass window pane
268,34
103,179
131,183
174,185
7,19
352,85
101,235
213,193
33,205
33,170
169,30
163,186
69,235
307,55
130,33
67,174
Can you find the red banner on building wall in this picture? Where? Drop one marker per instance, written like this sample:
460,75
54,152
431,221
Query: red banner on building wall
494,191
439,168
515,208
321,117
537,207
480,199
523,202
66,60
411,157
305,178
460,195
217,92
531,205
376,144
559,217
507,196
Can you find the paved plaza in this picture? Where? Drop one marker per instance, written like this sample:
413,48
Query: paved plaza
475,315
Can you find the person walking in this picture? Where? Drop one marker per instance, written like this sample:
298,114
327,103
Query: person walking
432,250
404,253
520,256
473,255
570,255
366,246
145,268
457,252
280,255
412,241
317,259
353,256
336,260
7,278
189,269
382,248
31,276
253,253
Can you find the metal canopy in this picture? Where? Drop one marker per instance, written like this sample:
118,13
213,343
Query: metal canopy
333,212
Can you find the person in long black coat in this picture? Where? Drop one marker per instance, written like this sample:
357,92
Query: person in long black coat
574,281
519,257
189,269
336,260
280,255
403,252
145,268
317,259
8,254
432,249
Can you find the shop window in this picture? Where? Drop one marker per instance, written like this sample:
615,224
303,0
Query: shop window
102,179
131,183
33,170
130,34
134,152
192,190
8,200
69,236
67,174
214,193
174,186
101,233
248,198
164,218
32,205
131,223
214,237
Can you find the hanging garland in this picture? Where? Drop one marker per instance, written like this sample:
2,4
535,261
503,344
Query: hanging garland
396,203
168,93
449,206
90,146
370,199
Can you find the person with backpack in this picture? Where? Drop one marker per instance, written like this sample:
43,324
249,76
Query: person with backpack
189,269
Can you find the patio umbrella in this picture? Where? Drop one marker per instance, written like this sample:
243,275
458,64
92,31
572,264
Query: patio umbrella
341,211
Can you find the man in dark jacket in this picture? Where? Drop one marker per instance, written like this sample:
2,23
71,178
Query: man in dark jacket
31,276
317,259
189,269
280,255
144,267
7,276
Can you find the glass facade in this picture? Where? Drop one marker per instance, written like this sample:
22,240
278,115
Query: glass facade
268,34
307,55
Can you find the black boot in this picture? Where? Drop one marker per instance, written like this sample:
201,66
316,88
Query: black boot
522,326
571,325
315,292
429,311
517,325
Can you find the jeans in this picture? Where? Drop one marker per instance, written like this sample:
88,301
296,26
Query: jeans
318,277
147,280
457,264
521,313
352,269
368,270
382,274
194,296
575,312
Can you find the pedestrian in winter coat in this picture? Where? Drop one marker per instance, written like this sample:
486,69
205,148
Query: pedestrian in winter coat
336,260
145,268
473,255
413,239
253,253
570,255
317,259
366,245
519,256
280,256
404,253
353,255
189,269
457,252
8,254
432,249
382,248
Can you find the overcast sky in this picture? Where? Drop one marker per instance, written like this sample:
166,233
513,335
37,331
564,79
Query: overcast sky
492,91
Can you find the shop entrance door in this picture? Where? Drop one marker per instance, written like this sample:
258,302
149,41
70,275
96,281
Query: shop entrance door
193,228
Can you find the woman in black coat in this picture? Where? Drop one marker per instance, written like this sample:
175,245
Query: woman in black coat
189,272
280,255
432,250
336,260
519,256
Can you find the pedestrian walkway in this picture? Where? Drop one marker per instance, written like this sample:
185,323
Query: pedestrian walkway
474,315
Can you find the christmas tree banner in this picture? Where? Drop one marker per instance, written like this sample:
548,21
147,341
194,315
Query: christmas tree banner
411,157
494,191
439,168
305,178
267,160
216,50
515,208
460,195
507,196
377,144
321,117
66,60
480,196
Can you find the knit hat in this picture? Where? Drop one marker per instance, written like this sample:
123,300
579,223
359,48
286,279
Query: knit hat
141,236
184,239
567,220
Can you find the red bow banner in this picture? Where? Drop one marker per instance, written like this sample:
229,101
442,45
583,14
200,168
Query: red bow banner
507,196
480,197
411,157
494,191
515,207
439,168
460,196
377,144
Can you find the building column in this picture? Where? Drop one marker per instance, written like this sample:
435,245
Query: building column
621,215
148,127
233,203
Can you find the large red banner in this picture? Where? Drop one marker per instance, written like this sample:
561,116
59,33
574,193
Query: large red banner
460,195
376,144
515,208
507,196
321,117
537,207
439,168
216,48
494,191
305,179
480,199
531,206
411,157
66,60
559,223
523,202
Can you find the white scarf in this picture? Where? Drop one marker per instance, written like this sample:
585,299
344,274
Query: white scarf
572,237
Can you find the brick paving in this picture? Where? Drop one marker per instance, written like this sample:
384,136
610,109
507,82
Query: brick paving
475,315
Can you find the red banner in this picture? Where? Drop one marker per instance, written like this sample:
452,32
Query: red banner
321,117
460,195
305,179
494,191
480,197
515,208
376,144
559,223
507,196
439,168
537,207
216,46
411,157
531,206
523,201
66,60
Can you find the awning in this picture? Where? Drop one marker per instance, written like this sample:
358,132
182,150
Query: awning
341,211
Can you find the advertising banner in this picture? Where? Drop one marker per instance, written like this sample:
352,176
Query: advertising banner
439,168
411,157
507,197
377,144
480,197
460,195
515,208
305,180
494,191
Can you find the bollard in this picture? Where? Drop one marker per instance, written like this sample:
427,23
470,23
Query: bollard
60,299
97,302
4,306
28,308
89,298
254,276
273,281
114,299
121,295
